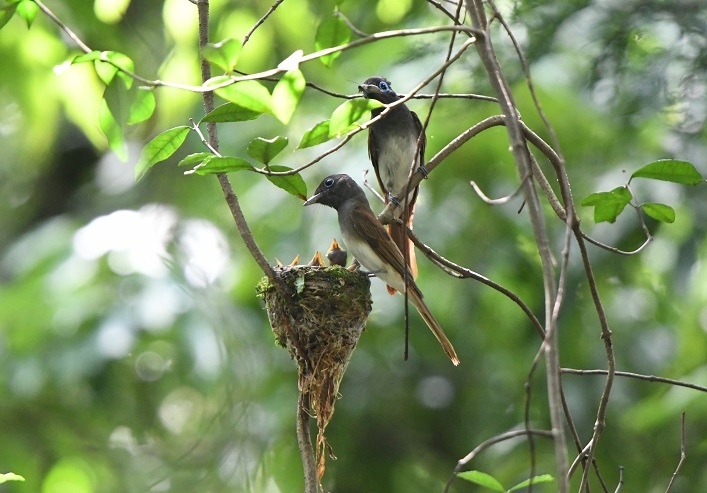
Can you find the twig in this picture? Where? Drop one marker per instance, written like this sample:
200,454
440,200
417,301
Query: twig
621,480
486,444
682,454
353,28
261,20
489,201
463,272
304,442
638,376
63,27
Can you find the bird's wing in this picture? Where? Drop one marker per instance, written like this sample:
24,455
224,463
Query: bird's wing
373,154
419,129
373,232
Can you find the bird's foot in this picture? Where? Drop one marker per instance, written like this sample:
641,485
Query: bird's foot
392,198
423,170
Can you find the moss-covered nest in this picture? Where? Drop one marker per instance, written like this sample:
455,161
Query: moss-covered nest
319,321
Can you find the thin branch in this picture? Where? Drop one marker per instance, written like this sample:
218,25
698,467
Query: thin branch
616,250
465,273
580,459
637,376
486,444
682,454
490,201
528,77
63,27
304,442
353,28
621,480
261,20
608,347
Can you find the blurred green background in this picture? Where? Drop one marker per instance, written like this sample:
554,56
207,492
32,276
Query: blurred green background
135,356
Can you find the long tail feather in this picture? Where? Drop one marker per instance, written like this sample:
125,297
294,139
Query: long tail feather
426,314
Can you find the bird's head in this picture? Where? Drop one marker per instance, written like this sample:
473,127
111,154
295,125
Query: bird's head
334,190
379,89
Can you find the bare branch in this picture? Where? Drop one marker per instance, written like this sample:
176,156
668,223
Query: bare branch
621,480
261,20
353,28
63,27
463,272
486,444
638,376
682,454
304,442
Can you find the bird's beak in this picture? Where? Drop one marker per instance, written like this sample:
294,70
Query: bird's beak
368,89
313,199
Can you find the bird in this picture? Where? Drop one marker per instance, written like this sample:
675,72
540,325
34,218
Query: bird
392,148
336,255
367,240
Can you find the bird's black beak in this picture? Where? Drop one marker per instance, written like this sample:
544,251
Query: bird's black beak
368,89
313,199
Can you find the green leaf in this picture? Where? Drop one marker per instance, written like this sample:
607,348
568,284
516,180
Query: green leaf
10,476
544,478
196,159
482,479
286,95
671,170
87,57
112,129
332,32
6,14
118,101
230,112
661,212
249,94
160,148
142,105
318,134
224,164
292,184
608,205
28,10
348,113
224,53
107,71
264,150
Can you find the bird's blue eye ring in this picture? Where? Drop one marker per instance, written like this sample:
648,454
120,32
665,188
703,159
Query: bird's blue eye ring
329,182
383,85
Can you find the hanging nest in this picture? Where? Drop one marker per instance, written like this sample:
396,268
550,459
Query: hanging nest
319,321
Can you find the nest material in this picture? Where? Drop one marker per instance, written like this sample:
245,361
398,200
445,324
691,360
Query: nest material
319,322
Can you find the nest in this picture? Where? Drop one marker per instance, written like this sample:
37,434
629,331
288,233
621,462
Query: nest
319,322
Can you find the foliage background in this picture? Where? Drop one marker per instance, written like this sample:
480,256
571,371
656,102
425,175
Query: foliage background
134,355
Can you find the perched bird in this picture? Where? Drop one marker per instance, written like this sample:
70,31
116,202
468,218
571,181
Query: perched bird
368,242
392,146
336,255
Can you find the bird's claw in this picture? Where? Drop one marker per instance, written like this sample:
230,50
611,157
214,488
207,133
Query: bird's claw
424,171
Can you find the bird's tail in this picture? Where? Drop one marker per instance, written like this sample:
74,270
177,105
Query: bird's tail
426,314
397,234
